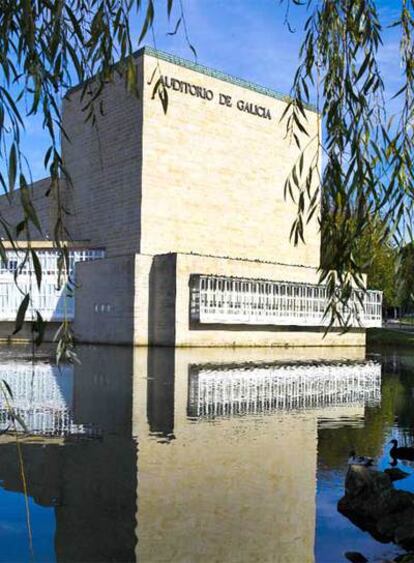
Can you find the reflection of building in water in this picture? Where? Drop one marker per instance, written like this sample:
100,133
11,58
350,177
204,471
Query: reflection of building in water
89,484
160,392
217,391
42,397
228,489
231,488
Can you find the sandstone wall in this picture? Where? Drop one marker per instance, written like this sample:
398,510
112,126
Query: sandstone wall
11,210
185,335
104,161
213,175
145,300
204,178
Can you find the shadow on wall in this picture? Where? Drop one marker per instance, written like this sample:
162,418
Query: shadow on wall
161,301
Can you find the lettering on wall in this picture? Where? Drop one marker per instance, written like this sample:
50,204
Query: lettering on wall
222,99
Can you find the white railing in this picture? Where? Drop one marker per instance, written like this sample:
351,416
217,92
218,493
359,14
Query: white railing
265,389
53,303
42,398
225,300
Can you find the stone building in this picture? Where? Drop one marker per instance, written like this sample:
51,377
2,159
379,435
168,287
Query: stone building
184,205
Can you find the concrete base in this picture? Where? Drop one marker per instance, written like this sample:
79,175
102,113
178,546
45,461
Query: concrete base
145,301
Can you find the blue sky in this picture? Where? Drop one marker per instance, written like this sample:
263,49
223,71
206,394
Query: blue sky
246,38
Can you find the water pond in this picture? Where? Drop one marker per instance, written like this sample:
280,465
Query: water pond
159,455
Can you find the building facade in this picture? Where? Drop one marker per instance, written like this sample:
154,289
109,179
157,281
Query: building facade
186,204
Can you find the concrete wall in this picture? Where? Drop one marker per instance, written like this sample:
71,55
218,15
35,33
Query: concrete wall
213,176
162,300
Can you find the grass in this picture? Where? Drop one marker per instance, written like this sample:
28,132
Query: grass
391,337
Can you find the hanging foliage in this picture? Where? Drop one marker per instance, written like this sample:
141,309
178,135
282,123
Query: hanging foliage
47,46
366,170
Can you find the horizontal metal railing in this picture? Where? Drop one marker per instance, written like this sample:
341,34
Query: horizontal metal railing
17,278
228,300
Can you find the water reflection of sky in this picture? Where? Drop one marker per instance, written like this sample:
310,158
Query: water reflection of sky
335,534
241,454
14,547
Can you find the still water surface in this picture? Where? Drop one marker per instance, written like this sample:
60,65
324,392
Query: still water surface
196,455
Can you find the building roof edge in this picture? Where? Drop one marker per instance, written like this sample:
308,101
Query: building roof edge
208,71
225,77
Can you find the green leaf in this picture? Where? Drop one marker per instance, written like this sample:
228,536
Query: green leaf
76,62
28,208
37,267
149,18
20,227
176,27
161,90
16,417
131,76
39,326
299,125
4,430
7,387
364,66
12,104
21,313
193,51
12,167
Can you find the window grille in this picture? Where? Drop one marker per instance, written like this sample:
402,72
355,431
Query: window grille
225,300
52,302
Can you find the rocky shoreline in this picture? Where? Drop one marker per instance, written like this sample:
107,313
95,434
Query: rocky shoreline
373,504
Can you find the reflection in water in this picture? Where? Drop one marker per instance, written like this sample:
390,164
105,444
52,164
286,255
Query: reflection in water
393,419
160,391
42,397
230,488
227,488
218,391
89,484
